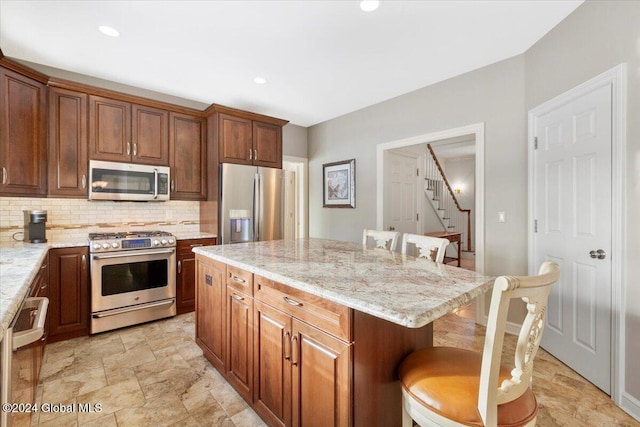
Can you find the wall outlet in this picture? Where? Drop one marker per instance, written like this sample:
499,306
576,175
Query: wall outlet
502,217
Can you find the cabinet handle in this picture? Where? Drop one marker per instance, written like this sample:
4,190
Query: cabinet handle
84,181
292,302
255,154
135,149
4,175
84,262
179,267
238,280
128,148
237,297
173,185
286,340
250,154
294,346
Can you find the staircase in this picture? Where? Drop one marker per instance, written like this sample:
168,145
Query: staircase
444,202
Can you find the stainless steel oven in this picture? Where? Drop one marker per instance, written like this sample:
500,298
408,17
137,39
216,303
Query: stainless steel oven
133,278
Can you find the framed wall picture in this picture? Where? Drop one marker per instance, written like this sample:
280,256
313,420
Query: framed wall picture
339,184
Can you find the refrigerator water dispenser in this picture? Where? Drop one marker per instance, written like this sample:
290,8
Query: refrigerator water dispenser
240,230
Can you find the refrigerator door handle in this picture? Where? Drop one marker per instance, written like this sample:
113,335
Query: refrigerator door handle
256,208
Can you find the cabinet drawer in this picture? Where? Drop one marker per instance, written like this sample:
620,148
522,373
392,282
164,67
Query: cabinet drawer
240,280
316,311
186,246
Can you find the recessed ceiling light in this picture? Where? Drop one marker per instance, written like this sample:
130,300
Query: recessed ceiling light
369,5
259,80
108,31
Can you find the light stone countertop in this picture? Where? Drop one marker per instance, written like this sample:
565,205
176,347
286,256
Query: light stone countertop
401,289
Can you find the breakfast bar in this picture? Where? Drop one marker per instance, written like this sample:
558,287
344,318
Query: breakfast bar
310,331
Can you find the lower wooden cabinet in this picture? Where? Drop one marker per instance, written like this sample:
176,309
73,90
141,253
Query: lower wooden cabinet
210,310
69,293
292,372
239,361
186,273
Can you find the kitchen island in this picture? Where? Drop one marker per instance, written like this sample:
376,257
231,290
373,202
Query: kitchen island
310,331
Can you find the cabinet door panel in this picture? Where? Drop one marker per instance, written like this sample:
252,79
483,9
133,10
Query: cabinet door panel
67,143
272,366
321,378
187,157
109,129
235,140
150,135
185,283
23,135
267,145
240,341
210,319
69,290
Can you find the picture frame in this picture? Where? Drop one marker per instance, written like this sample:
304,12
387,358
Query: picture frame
339,184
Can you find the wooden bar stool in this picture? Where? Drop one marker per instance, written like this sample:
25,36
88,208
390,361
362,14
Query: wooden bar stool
455,387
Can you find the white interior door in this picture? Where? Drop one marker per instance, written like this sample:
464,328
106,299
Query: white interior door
290,203
572,206
400,193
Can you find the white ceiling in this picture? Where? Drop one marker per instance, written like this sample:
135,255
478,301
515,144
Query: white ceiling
322,59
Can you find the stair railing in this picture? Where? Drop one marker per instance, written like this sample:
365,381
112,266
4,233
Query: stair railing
459,219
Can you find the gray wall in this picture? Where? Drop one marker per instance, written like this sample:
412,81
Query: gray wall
294,141
593,39
494,95
596,37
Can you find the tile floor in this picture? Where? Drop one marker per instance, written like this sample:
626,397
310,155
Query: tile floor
155,375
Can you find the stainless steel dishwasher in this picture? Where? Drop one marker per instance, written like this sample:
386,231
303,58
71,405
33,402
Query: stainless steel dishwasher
18,379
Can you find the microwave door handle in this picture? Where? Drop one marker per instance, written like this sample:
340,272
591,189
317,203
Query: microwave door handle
155,185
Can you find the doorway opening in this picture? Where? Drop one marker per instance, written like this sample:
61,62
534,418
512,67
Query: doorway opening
296,197
415,147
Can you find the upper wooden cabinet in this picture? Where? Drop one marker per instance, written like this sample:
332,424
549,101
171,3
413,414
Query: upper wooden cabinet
187,157
123,132
67,143
23,135
249,142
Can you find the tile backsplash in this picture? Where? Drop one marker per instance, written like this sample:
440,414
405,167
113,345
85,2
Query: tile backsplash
75,218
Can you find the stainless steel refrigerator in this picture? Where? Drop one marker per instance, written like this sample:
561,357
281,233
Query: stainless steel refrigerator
251,203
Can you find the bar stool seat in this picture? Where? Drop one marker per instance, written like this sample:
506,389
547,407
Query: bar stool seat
447,381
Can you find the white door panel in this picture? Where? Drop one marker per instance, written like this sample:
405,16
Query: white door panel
401,188
572,197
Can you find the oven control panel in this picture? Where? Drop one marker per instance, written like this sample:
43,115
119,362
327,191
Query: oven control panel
128,241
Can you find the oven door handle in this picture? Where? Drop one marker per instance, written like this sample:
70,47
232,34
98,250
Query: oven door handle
133,253
134,308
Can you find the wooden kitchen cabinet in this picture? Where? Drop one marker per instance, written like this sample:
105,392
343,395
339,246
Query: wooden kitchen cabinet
68,112
210,310
23,135
186,273
249,142
239,361
187,157
302,373
123,132
69,293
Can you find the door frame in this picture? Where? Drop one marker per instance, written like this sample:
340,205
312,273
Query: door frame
301,166
617,78
476,129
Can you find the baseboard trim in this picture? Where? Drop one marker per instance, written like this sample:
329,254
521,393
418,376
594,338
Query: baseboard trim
630,405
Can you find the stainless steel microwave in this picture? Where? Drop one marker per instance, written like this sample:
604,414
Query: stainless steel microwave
128,181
